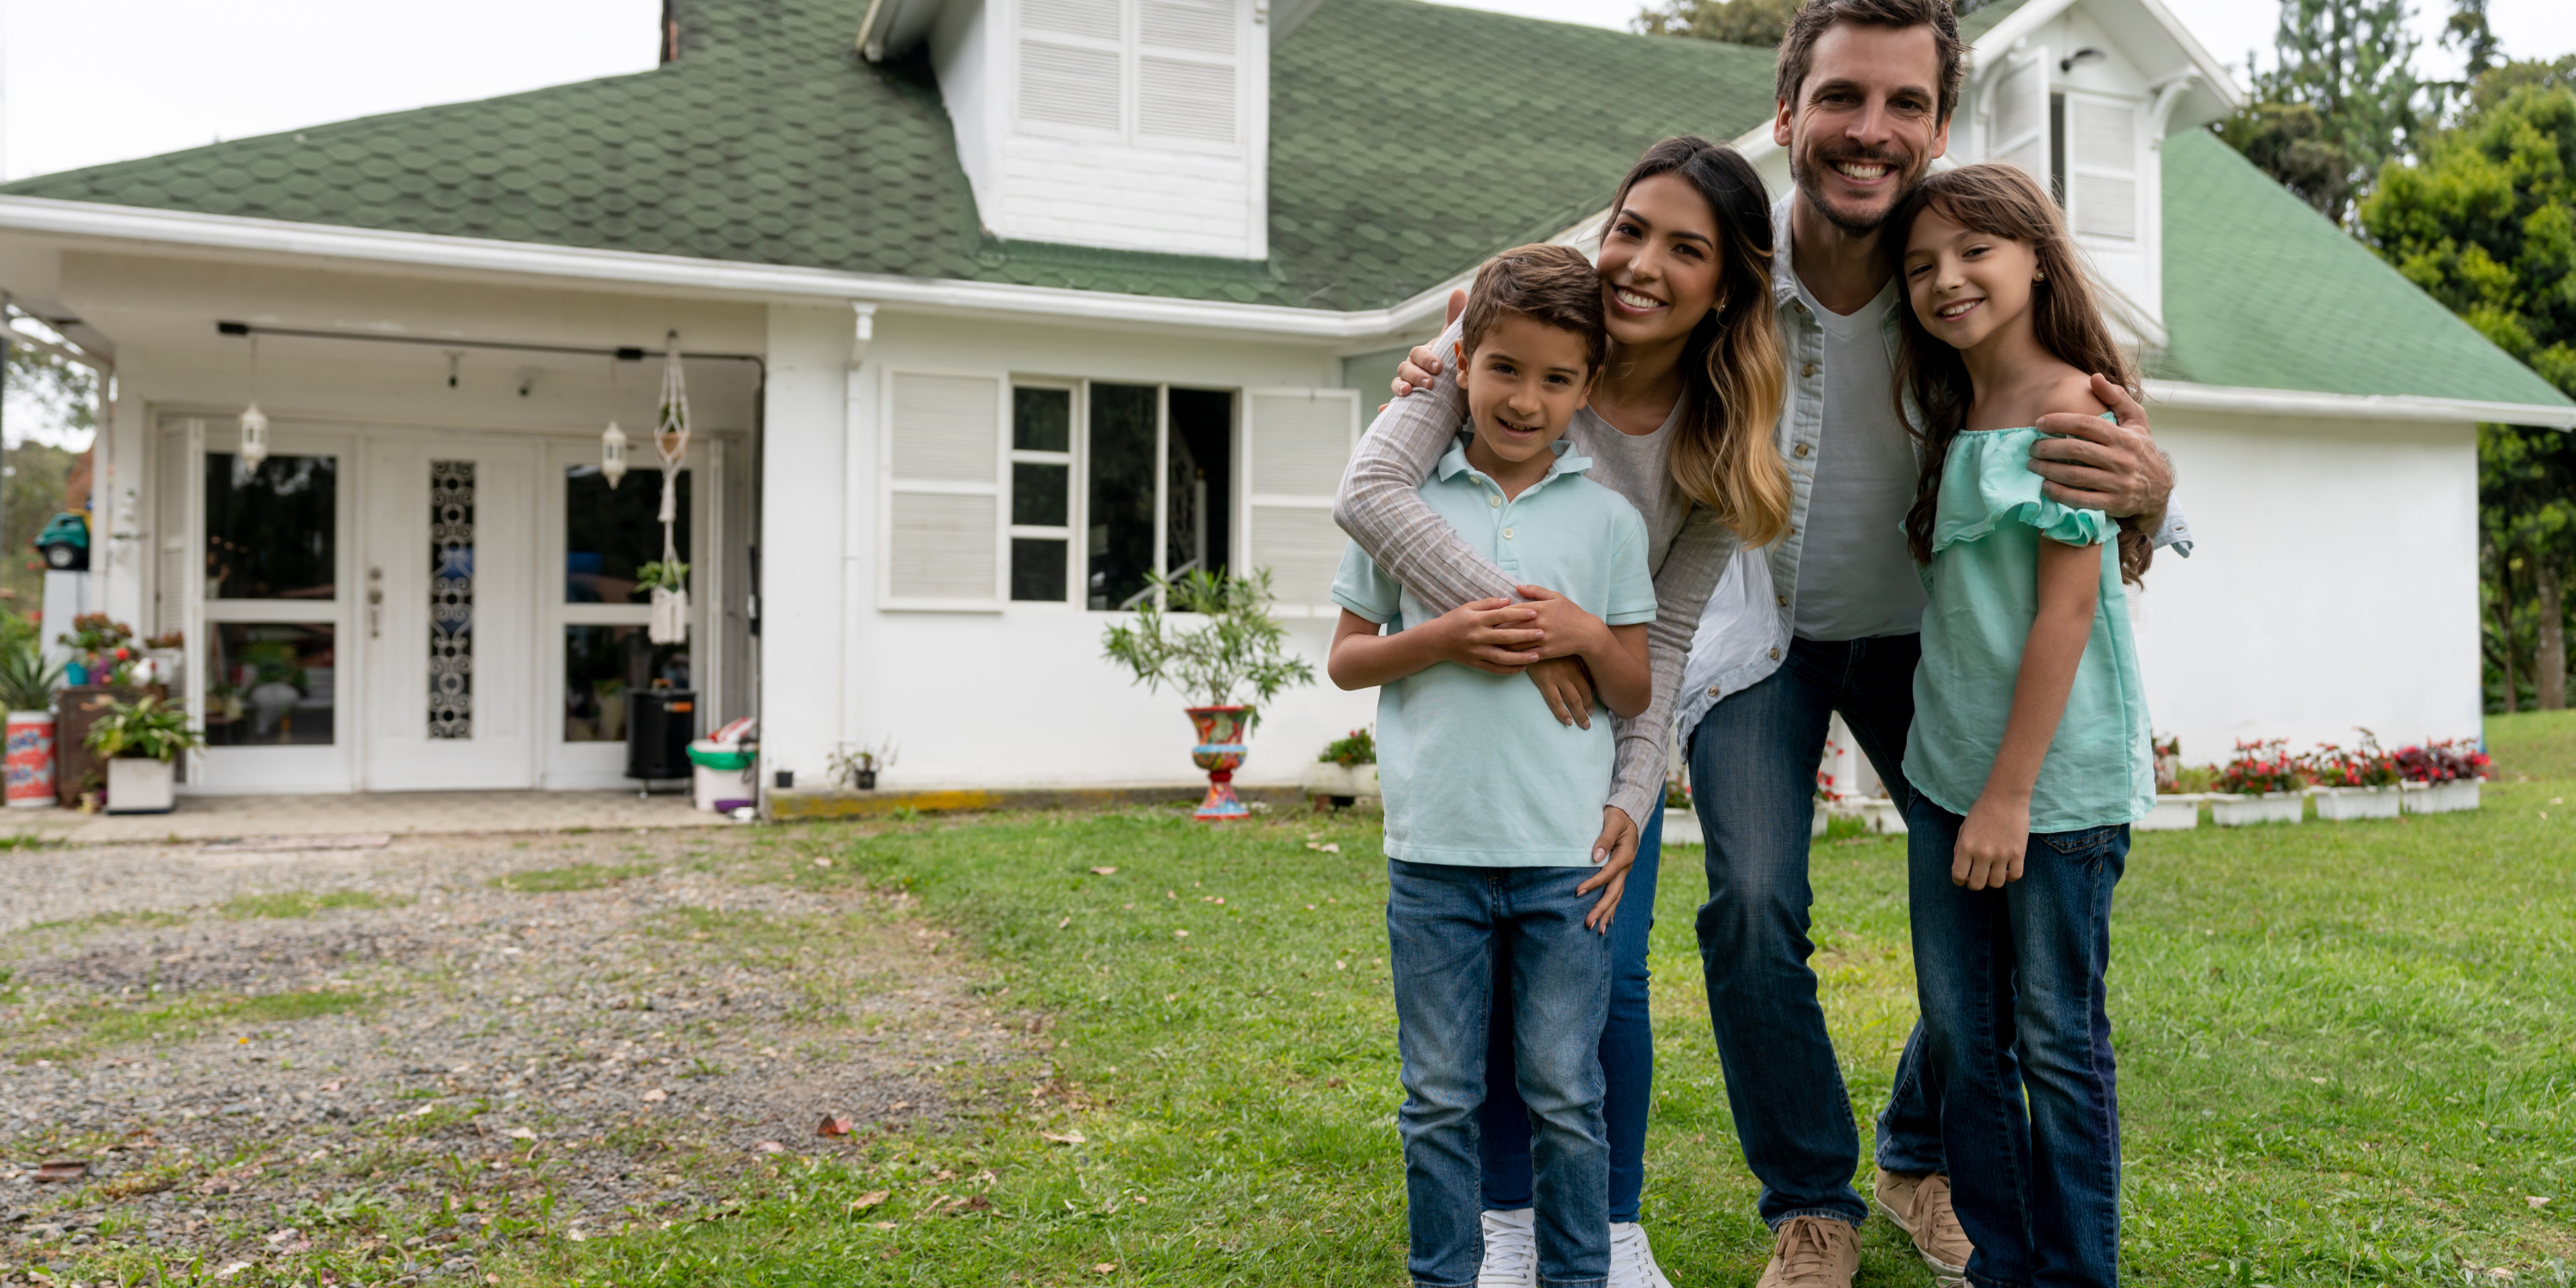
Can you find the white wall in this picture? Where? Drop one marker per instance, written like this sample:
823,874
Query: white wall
2334,584
805,509
1019,697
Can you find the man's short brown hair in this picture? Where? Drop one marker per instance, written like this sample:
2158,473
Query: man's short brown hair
1798,47
1554,286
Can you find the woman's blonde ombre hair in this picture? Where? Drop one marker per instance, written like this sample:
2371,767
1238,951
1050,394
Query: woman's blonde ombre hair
1726,456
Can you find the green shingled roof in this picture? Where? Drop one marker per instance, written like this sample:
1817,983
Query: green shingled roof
2263,292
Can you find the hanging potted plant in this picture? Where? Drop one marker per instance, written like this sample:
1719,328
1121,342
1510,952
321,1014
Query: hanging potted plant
27,686
1346,771
2264,783
668,579
2441,777
2359,783
1240,647
138,740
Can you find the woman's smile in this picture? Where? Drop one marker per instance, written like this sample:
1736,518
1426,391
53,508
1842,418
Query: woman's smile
1633,302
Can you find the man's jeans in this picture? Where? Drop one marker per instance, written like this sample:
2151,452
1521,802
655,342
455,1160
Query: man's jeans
1446,927
1753,775
1627,1055
2011,986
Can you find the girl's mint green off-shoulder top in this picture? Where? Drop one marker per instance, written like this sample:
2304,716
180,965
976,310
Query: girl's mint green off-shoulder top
1983,582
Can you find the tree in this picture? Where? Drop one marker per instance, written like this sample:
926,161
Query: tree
2486,223
62,398
1736,22
2350,63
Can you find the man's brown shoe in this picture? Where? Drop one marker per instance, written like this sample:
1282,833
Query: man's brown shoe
1813,1252
1920,1206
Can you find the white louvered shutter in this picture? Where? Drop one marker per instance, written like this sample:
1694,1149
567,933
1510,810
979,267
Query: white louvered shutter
943,491
2102,160
1296,443
1071,63
2019,131
1186,70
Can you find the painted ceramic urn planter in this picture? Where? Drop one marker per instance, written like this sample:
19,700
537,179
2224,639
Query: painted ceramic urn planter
1220,753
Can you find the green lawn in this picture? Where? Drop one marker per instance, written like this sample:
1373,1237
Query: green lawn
2347,1050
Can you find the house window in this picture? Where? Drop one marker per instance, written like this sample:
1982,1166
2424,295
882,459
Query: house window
1041,492
1145,466
1184,58
271,532
271,684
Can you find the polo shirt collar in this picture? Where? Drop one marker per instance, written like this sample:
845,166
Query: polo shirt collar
1454,461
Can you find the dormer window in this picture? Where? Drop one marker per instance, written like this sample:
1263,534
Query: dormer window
1078,58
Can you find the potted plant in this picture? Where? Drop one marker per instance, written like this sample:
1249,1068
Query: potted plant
100,645
27,685
2357,783
138,740
2441,777
1346,771
669,583
2179,794
1240,646
2263,783
858,768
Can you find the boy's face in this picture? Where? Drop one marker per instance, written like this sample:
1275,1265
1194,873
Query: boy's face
1525,381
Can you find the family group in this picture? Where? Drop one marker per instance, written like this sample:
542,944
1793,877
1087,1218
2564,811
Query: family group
1870,450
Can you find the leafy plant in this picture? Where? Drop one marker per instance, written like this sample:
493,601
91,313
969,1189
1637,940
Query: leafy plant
846,765
658,575
2196,778
2448,761
2362,766
1241,645
145,729
2262,767
27,682
1359,748
1676,792
98,633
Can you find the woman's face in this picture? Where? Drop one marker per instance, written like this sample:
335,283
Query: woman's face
1659,262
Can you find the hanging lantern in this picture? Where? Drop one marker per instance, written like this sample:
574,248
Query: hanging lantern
254,436
612,454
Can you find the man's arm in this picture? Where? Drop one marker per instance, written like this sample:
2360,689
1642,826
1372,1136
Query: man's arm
2092,464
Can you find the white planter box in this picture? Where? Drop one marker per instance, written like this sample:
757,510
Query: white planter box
1323,778
2440,798
2228,810
136,786
2344,804
2173,813
1681,826
1882,816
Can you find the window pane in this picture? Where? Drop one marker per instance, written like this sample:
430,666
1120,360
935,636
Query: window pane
601,665
451,599
611,532
269,684
1122,491
1041,495
1037,569
1042,420
271,532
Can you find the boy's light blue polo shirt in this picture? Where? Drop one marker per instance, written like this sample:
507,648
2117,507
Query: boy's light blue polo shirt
1474,768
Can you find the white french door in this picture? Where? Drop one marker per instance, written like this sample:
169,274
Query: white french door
444,603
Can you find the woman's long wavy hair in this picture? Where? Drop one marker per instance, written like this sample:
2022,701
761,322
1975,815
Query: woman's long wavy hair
2003,201
1725,457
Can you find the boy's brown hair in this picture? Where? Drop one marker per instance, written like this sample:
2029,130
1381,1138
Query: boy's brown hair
1798,45
1554,286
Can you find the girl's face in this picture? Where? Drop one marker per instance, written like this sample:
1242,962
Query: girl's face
1659,262
1966,286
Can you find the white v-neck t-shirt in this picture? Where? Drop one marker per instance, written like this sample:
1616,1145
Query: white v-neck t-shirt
1855,578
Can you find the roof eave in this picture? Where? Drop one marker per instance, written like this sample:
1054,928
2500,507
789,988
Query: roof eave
2378,407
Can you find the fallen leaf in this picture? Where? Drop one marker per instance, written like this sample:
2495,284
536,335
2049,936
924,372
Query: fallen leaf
903,1104
1105,1268
656,1096
424,1111
61,1170
1334,1082
1102,872
977,1203
885,1225
834,1127
280,1236
233,1269
1064,923
869,1200
1341,965
1067,1138
1332,847
2536,1201
1180,934
770,1147
822,863
520,1133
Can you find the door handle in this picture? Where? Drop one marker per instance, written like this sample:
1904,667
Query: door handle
375,602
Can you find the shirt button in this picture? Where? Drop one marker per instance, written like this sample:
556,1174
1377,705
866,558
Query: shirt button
1775,655
1493,500
1802,449
1712,690
1507,534
1784,600
1807,370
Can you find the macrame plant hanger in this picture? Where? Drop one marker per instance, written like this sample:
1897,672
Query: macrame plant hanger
671,441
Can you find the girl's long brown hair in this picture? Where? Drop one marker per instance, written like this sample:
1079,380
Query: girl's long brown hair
1725,457
1999,200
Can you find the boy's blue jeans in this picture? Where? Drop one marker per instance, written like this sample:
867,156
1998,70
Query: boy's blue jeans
1447,926
1627,1056
2011,987
1753,775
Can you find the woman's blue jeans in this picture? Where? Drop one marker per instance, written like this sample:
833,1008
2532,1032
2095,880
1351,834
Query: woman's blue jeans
1627,1057
2017,1051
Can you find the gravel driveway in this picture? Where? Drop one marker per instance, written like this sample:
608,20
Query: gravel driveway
378,1061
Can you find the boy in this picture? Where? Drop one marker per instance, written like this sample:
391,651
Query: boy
1492,806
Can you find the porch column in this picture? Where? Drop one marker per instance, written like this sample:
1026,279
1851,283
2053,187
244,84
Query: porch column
803,501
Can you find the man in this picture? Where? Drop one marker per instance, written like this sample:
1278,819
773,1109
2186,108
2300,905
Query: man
1825,621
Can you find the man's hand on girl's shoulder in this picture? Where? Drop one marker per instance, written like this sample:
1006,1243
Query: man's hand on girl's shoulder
2093,464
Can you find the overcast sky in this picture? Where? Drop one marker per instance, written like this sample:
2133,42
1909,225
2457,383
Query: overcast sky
87,81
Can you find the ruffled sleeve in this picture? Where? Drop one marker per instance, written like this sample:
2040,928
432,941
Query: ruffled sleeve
1987,482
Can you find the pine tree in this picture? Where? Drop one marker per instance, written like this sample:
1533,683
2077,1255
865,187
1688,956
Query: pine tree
2340,100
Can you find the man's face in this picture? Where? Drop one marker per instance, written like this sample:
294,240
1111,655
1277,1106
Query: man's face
1866,123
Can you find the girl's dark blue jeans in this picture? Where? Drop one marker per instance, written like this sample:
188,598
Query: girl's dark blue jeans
2011,987
1627,1057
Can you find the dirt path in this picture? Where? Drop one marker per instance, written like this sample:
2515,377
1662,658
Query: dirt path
377,1061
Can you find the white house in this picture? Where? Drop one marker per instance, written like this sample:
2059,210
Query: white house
993,307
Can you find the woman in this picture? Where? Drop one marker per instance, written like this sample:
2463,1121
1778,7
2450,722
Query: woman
1680,423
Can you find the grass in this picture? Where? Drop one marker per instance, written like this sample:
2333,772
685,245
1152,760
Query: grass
76,1031
296,903
2534,744
580,876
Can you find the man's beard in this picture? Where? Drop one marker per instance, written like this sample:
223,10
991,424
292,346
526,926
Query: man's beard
1803,173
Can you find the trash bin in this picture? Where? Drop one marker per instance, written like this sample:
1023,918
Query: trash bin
720,774
659,725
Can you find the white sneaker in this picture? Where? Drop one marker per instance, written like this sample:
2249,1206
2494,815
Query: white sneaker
1632,1259
1511,1249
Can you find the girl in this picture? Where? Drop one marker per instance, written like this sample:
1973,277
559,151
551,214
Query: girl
2029,752
1680,423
